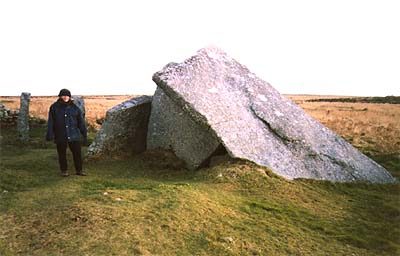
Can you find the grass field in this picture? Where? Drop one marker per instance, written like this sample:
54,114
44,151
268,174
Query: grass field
148,205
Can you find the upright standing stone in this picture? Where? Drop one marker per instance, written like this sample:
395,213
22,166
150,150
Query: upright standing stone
80,103
3,111
23,117
171,128
124,129
253,121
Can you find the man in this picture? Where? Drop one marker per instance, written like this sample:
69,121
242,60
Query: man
66,126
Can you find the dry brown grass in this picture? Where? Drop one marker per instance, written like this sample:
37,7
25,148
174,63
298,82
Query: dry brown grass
372,127
96,106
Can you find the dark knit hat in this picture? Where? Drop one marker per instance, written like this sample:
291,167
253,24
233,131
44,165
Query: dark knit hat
64,92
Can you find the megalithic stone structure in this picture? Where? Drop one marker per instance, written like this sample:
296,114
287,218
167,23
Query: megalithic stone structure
211,99
23,117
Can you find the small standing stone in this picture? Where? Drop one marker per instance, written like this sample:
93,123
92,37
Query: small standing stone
80,103
23,117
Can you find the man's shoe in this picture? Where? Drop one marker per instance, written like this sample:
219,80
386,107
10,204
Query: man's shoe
64,174
81,173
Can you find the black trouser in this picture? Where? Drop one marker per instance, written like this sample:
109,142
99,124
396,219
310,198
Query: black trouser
75,147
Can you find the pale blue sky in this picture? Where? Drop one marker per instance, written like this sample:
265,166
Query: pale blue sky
113,47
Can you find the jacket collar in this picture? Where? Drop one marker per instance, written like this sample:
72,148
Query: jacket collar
60,101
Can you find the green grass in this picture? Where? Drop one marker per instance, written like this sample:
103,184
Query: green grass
146,206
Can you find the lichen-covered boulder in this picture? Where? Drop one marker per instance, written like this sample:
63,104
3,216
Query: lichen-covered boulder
223,101
124,130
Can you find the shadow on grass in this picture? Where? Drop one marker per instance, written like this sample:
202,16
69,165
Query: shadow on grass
291,217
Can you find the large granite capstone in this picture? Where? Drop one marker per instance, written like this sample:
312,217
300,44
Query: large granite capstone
124,129
211,98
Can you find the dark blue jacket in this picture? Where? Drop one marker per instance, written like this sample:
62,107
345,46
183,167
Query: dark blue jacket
65,122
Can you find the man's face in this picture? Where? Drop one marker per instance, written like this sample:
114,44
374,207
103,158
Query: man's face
65,98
